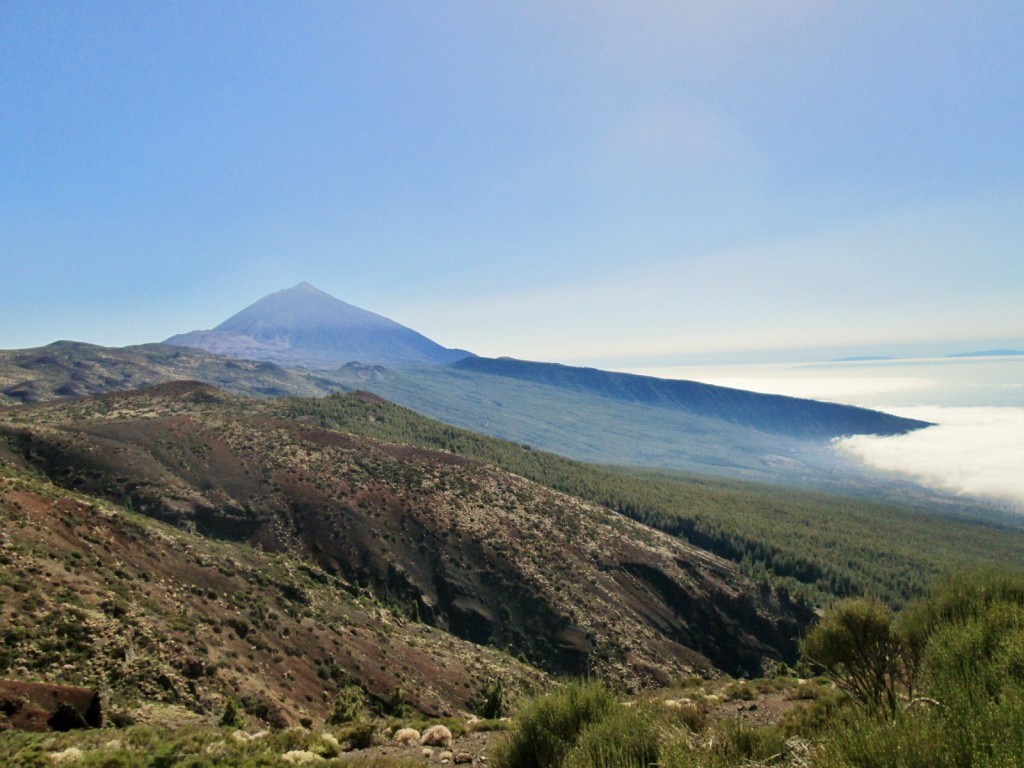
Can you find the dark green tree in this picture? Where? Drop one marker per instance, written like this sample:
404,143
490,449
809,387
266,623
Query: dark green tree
232,717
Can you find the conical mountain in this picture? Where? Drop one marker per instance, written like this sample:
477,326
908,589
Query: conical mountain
305,326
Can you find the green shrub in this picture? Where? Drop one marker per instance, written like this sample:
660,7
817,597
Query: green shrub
968,645
491,703
348,706
121,759
547,728
624,738
817,710
742,743
263,708
909,743
742,692
393,705
325,745
857,646
688,714
358,735
961,596
967,664
480,726
232,717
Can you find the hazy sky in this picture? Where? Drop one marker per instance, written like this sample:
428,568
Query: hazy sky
622,182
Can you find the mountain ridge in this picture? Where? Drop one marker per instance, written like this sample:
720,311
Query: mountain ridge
296,338
66,369
780,414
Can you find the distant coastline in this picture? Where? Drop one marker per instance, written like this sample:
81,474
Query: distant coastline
956,355
990,353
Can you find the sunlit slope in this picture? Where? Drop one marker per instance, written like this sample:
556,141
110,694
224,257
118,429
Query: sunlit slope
158,617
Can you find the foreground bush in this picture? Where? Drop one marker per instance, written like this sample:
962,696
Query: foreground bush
966,643
584,726
857,646
547,728
624,738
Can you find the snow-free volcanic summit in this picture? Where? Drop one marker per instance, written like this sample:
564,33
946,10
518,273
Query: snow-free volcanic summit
305,326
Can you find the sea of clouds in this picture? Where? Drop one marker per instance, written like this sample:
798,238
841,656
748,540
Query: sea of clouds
976,447
975,451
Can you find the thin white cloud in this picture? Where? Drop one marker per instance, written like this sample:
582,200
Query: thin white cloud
972,451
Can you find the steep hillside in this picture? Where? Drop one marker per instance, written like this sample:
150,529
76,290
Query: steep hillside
72,369
463,546
179,545
305,326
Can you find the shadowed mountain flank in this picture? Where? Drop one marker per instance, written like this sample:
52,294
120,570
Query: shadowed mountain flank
777,414
305,326
608,418
483,554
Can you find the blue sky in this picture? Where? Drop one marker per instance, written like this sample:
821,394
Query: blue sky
603,183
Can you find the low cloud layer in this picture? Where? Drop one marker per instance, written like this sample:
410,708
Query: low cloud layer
972,451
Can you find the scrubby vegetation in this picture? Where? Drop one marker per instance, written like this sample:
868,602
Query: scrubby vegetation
856,644
586,726
963,654
548,728
193,747
939,685
162,619
485,555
